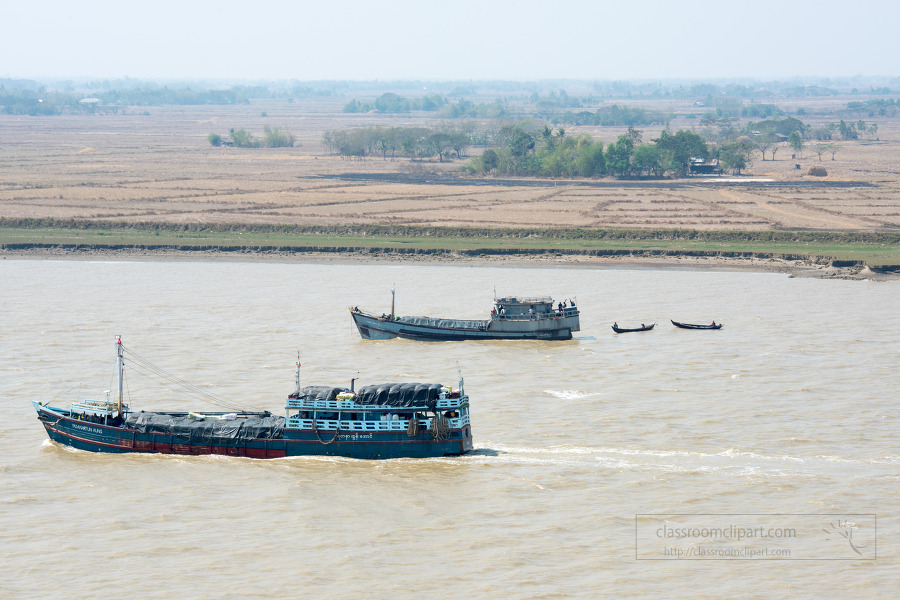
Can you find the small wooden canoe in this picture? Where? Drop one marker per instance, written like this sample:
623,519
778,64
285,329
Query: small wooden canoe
714,325
618,329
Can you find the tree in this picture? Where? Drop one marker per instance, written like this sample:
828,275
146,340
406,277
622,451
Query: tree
646,159
618,156
820,148
782,126
393,139
354,106
412,141
392,103
684,146
547,136
764,143
796,143
214,139
330,140
278,138
589,159
521,143
440,144
735,156
667,162
636,135
822,134
848,130
489,159
242,138
353,144
459,142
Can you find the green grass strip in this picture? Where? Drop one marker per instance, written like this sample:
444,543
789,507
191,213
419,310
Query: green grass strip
876,249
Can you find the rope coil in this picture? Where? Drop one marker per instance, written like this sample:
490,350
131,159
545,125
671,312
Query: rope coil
413,429
337,431
440,427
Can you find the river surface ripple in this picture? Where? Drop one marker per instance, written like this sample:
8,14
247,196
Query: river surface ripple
790,409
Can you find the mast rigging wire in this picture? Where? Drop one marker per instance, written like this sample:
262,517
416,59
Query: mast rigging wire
146,367
68,390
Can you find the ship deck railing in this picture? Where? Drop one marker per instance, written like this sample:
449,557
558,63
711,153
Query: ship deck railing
355,425
524,300
555,314
351,406
100,408
570,311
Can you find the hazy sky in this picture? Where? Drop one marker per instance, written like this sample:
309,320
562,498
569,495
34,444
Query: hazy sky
450,39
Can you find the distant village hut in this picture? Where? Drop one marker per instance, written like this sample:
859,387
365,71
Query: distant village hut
701,166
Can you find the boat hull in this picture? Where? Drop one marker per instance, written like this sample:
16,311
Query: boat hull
374,328
95,437
693,326
632,330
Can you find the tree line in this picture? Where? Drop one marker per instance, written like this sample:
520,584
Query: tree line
273,137
882,107
551,152
613,115
735,144
394,103
182,96
530,148
43,102
535,148
392,142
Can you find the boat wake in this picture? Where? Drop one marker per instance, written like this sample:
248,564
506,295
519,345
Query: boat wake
571,394
731,460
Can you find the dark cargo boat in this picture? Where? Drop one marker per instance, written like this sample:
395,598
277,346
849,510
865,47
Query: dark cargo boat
512,318
377,421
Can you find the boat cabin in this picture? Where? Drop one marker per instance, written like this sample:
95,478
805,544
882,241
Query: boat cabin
320,408
97,411
527,309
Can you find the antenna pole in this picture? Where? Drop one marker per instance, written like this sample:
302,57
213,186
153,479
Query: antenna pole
120,354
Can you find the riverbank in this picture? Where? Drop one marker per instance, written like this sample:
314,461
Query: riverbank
794,267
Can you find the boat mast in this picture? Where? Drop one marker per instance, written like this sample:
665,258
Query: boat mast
120,354
392,304
298,370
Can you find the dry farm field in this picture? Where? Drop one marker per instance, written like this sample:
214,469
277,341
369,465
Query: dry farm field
155,164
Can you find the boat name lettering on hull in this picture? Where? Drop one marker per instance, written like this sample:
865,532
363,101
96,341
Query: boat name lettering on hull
87,429
356,436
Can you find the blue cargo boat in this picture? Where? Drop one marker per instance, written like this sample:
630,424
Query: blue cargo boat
512,318
375,422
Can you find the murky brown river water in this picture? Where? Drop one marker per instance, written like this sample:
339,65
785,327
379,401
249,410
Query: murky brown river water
587,452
